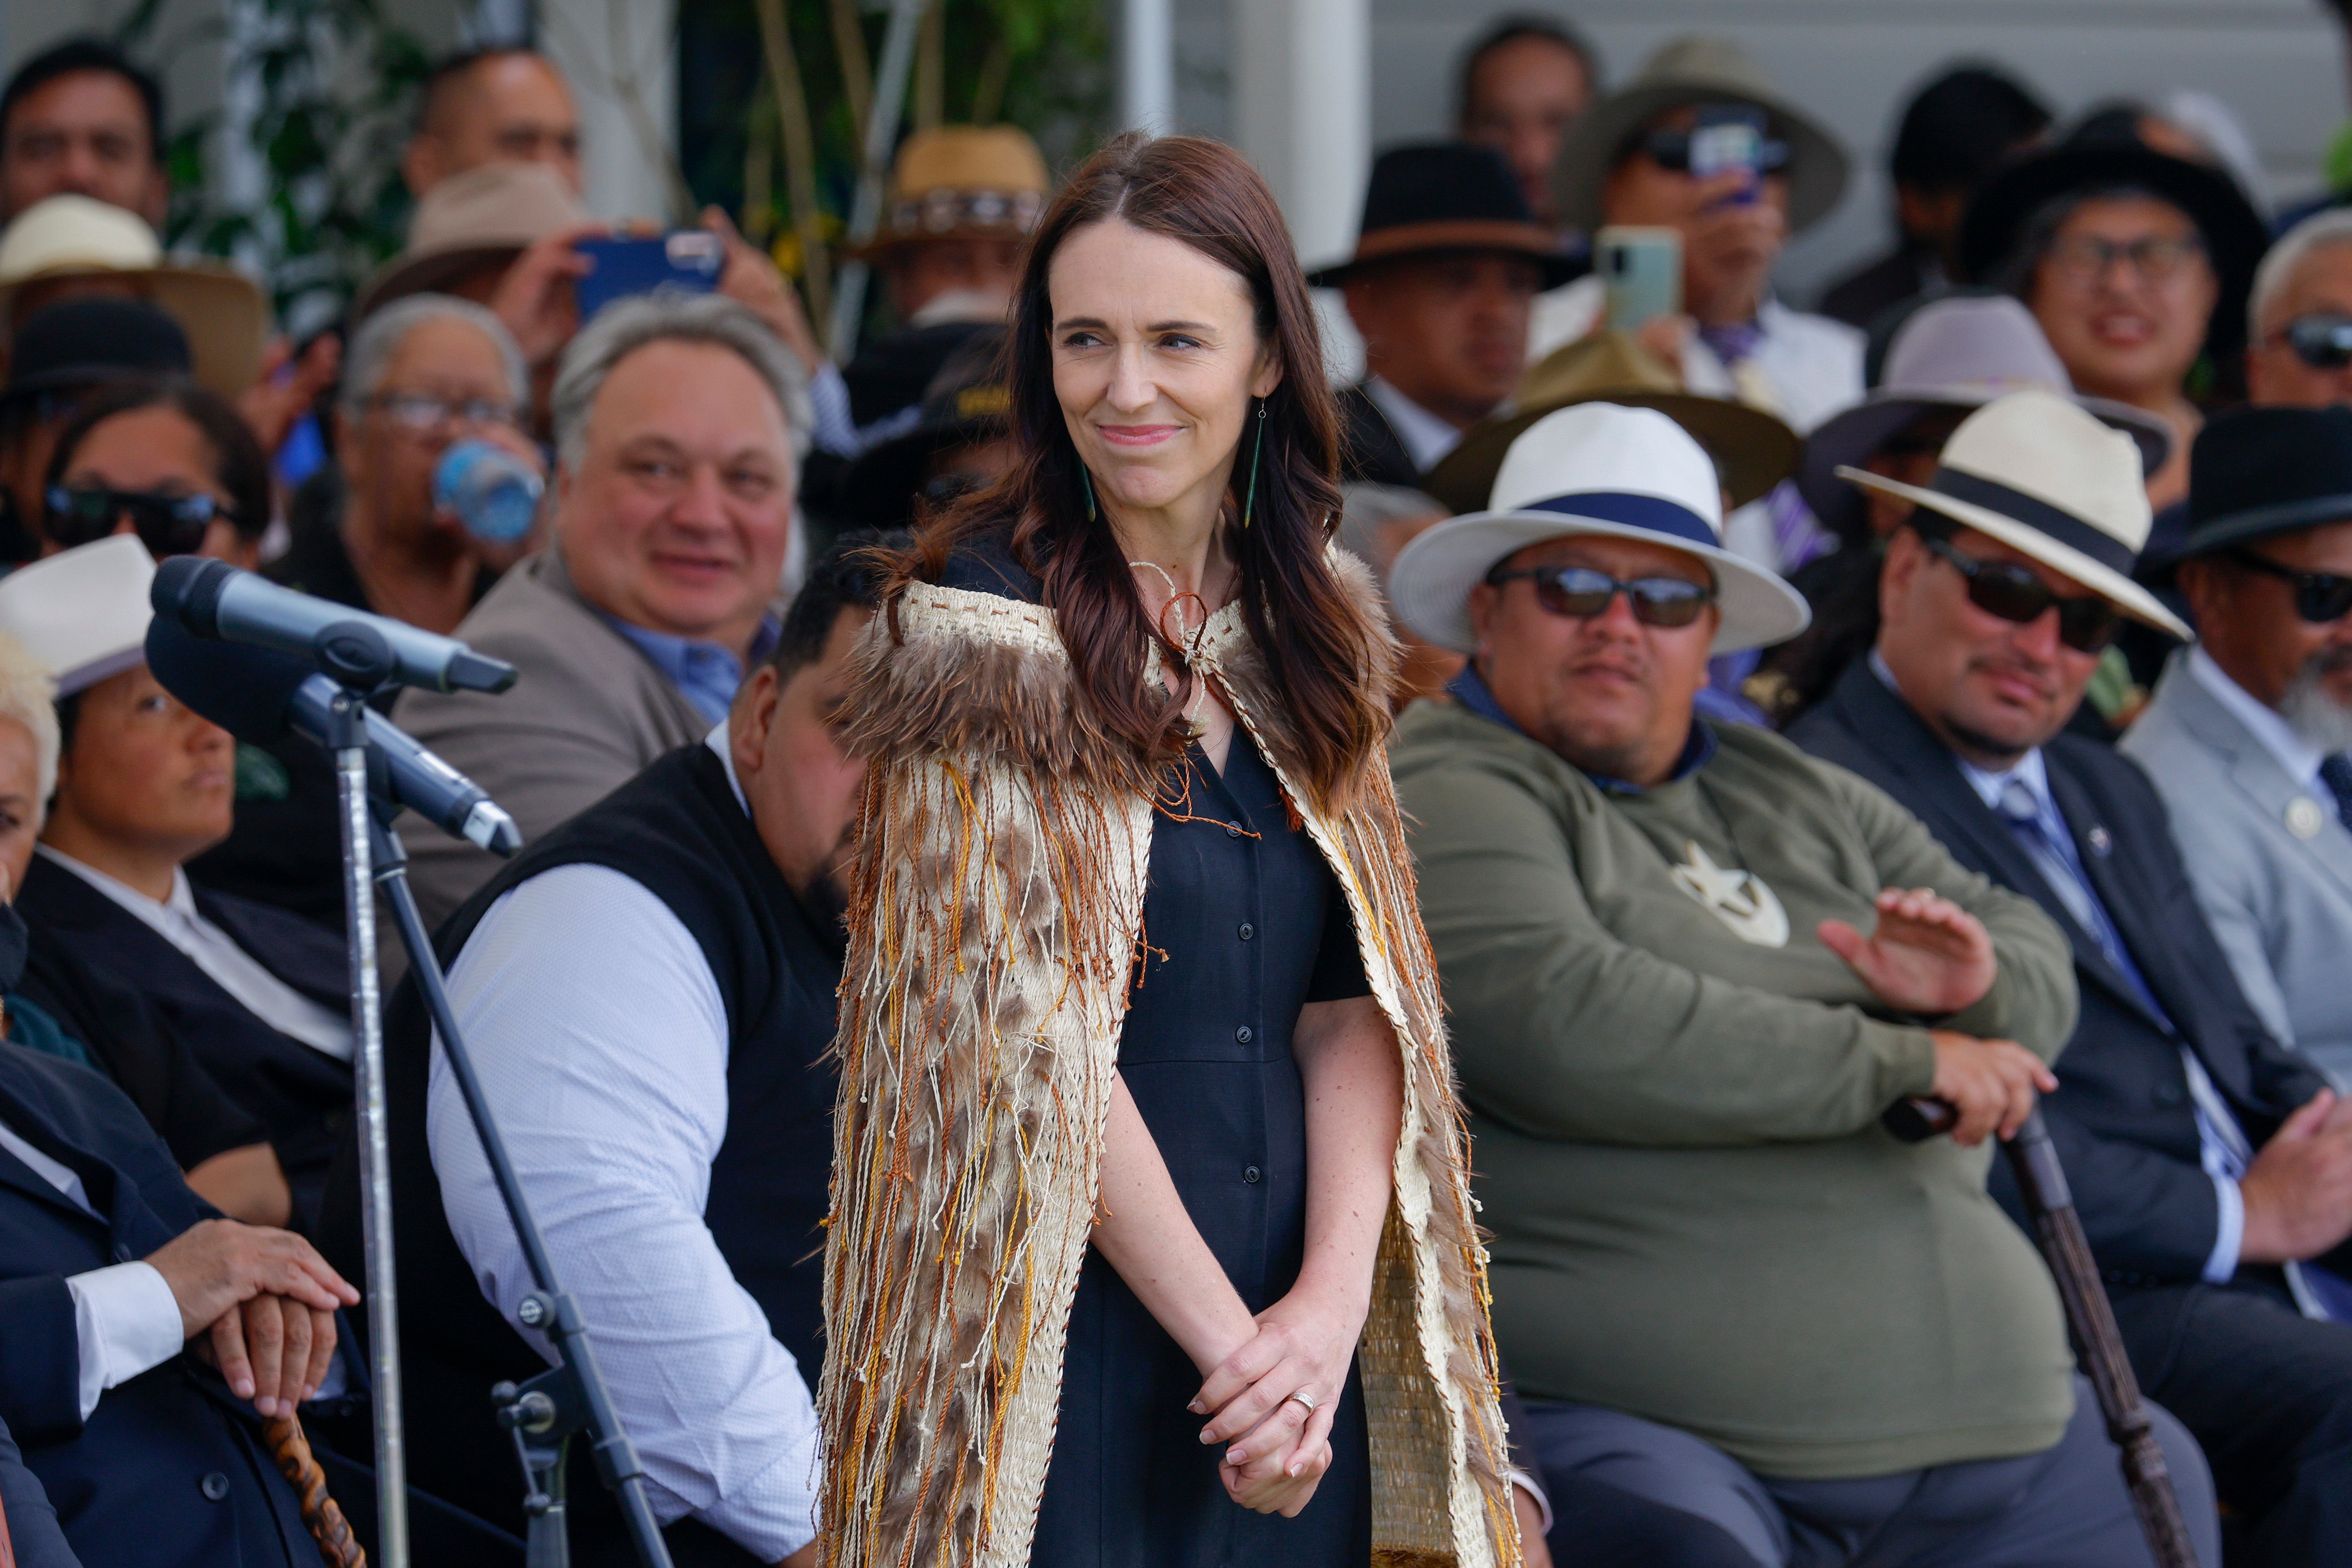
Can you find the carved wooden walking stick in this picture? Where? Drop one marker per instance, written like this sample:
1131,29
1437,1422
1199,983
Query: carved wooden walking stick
337,1546
2098,1344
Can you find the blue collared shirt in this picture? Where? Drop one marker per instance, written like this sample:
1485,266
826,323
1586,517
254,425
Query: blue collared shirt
1470,689
705,673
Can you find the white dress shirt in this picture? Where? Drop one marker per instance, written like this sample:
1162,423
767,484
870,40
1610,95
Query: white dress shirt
602,1042
126,1319
2298,756
1426,437
214,951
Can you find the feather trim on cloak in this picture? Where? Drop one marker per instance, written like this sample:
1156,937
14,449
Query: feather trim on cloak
996,900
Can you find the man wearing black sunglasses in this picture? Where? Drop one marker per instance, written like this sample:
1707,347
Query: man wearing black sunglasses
2208,1161
2299,337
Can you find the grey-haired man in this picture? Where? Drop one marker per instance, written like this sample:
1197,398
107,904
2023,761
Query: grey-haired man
679,425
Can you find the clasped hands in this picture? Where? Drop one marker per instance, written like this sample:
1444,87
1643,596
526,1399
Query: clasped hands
264,1301
1277,1449
1927,955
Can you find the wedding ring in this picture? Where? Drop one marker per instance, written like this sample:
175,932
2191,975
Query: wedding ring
1304,1398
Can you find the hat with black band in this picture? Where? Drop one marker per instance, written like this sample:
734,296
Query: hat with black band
2257,472
2039,474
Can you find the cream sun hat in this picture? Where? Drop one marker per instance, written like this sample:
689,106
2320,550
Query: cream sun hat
82,613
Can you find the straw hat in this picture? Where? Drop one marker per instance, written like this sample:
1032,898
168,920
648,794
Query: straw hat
1440,197
482,217
83,613
1959,352
1697,72
1593,469
2037,472
963,182
1752,450
220,309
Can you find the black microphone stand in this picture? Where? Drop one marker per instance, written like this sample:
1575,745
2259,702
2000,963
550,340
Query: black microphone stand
570,1396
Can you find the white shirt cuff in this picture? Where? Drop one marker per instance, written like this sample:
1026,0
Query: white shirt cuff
1534,1488
127,1320
2228,1233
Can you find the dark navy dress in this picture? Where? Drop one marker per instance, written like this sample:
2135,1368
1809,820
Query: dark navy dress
1244,924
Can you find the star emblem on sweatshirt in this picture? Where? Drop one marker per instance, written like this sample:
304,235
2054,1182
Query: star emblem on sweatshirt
1739,898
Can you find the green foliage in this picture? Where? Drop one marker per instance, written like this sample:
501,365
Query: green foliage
332,85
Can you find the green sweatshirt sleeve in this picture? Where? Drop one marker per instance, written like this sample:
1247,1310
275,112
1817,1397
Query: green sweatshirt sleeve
1561,1030
2032,1000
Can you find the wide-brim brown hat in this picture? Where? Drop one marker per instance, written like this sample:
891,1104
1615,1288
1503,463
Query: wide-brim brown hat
1446,197
962,181
223,311
485,215
1688,72
1752,450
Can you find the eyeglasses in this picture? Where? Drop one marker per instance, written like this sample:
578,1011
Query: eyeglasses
2002,588
1671,151
166,524
1580,594
2319,596
421,413
2157,259
2322,341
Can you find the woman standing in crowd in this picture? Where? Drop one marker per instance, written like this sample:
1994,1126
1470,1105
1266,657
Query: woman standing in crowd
1151,1220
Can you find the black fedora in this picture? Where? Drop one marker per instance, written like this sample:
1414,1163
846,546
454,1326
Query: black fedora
2255,473
76,343
1437,196
967,401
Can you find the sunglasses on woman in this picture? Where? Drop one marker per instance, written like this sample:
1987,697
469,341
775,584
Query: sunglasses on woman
166,524
2014,593
2322,340
1580,594
2319,596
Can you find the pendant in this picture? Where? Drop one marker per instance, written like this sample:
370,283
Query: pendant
1739,898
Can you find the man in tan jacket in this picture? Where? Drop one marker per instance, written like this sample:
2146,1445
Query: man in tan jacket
680,424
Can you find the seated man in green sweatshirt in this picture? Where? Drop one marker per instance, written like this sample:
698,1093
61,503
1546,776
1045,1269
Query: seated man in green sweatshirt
1718,1282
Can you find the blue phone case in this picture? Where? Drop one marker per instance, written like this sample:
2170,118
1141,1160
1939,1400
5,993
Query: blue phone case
687,258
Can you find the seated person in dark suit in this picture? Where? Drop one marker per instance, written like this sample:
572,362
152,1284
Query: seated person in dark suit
2208,1163
121,1293
681,1188
28,1525
221,1147
255,993
1442,286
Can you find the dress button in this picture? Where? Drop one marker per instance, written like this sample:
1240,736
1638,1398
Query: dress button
1248,930
1243,1035
1251,1174
214,1486
1233,830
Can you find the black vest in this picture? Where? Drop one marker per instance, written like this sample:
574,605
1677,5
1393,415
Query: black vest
678,830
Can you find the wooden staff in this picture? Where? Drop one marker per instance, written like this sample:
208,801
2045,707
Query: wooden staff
2098,1344
337,1546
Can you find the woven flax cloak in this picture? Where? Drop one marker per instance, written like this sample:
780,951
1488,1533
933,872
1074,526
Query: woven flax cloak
996,901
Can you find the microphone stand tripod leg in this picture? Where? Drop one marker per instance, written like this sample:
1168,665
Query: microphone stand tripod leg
350,750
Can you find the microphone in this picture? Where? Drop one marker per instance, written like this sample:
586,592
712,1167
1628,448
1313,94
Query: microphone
213,599
258,695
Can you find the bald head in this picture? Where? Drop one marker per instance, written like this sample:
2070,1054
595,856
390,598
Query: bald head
493,106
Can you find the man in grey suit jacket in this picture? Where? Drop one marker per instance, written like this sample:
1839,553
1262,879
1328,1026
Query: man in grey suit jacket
680,424
2247,734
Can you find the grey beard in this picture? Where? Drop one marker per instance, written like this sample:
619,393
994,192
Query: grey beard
2323,724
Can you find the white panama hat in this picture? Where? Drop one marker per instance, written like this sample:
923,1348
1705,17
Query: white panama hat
2041,475
1596,468
82,613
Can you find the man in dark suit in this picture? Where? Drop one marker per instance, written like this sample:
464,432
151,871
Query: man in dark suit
1442,285
120,1292
2211,1166
143,786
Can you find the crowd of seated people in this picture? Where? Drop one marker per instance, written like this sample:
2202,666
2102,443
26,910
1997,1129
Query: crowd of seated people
1947,695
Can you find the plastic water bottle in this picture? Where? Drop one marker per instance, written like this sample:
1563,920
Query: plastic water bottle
493,493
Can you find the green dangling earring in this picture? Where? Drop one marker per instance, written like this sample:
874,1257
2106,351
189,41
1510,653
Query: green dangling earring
1088,480
1250,505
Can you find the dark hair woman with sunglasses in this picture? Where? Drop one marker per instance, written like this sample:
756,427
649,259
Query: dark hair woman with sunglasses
166,460
1151,1231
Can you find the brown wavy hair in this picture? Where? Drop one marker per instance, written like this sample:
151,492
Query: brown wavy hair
1318,644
